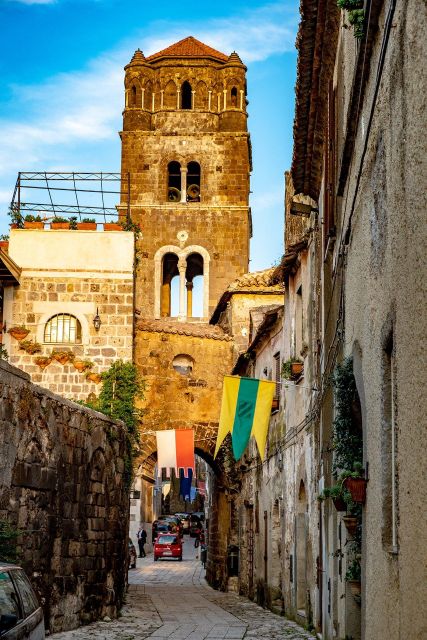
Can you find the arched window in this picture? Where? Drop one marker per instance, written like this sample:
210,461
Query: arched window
174,181
183,364
169,301
234,97
63,329
193,182
186,95
133,96
194,285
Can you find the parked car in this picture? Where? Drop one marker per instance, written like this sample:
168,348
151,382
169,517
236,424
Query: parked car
21,616
168,545
199,514
162,526
175,520
185,521
132,555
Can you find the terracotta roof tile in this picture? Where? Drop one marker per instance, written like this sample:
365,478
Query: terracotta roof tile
166,325
188,48
256,280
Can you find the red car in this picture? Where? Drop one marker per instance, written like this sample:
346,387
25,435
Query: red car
168,545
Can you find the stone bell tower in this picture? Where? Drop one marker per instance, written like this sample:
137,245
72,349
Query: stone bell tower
186,163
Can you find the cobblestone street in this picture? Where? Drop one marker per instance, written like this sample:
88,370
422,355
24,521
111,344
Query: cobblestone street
171,599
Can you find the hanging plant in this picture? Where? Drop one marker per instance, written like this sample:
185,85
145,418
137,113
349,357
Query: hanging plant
30,347
94,377
292,369
82,365
3,353
347,436
19,332
356,15
62,356
43,362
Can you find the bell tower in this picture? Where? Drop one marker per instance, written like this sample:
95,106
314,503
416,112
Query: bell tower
186,164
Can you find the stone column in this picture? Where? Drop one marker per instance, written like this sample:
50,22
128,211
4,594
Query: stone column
189,286
142,98
193,93
153,101
241,98
183,184
178,98
182,268
225,99
209,100
165,301
219,102
126,97
161,99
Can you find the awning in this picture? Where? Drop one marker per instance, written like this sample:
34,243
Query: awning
9,270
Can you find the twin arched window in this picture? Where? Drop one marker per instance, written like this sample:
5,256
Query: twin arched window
183,185
63,329
192,285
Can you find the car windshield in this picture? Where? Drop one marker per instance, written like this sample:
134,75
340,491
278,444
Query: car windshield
166,540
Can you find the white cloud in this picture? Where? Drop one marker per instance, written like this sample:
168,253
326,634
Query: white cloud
58,119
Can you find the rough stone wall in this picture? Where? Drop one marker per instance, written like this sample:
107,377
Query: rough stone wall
62,487
93,272
173,400
385,296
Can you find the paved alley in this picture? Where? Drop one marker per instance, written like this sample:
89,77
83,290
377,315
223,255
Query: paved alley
171,599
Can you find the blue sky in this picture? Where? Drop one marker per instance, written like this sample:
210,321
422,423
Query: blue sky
61,69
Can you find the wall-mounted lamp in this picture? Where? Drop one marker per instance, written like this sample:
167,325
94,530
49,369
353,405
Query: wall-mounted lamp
97,321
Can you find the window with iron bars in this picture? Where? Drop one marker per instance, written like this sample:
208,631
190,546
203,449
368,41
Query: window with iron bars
63,329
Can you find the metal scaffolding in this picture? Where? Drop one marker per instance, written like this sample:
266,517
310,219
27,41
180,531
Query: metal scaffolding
66,194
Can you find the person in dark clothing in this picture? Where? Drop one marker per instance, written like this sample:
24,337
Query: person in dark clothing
142,539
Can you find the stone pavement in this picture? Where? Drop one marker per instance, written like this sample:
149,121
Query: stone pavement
171,599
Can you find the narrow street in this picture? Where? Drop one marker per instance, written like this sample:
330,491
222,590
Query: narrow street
171,599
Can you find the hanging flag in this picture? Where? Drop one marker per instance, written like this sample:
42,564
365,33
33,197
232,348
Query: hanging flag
185,484
166,487
245,411
175,450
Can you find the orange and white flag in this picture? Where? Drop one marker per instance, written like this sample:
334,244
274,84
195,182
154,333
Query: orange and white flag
175,450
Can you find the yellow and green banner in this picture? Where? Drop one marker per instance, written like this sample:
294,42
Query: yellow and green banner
245,411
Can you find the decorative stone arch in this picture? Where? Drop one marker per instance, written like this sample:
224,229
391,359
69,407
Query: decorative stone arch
76,309
182,254
133,93
218,97
233,94
170,92
201,96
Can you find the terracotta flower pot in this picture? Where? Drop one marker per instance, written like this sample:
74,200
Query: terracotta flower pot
43,362
112,226
350,524
94,377
59,225
4,245
355,587
296,369
357,488
86,226
62,358
33,225
80,365
339,504
18,334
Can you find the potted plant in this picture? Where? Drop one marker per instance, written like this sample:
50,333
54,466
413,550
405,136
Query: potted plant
338,495
62,356
87,224
16,218
355,483
59,223
351,523
4,241
30,347
292,369
33,222
94,377
82,365
43,361
353,577
19,332
113,226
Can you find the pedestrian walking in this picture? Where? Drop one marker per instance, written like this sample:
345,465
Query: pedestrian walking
142,539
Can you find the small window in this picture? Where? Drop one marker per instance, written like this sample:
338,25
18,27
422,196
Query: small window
63,328
183,364
186,95
174,181
133,96
234,97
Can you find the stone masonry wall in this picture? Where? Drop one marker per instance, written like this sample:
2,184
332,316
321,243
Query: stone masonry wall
61,485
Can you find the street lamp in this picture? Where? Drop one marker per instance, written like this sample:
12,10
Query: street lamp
97,321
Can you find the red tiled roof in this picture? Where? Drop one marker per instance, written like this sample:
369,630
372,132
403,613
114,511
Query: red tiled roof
165,325
189,48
